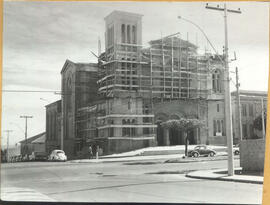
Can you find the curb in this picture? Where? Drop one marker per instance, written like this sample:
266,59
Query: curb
164,160
223,178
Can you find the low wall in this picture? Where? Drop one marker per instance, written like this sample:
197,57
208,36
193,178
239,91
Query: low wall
125,145
252,154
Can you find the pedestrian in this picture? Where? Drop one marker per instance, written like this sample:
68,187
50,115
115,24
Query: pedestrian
90,152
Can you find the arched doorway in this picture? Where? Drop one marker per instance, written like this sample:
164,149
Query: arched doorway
160,117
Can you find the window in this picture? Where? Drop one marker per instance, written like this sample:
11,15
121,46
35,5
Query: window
124,131
215,128
217,107
111,131
216,81
218,128
123,33
128,34
146,131
250,109
129,105
244,130
244,109
134,35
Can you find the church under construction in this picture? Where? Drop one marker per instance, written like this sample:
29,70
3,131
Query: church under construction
119,103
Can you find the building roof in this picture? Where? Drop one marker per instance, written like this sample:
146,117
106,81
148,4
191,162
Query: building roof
41,139
31,139
168,41
92,67
251,93
53,103
122,14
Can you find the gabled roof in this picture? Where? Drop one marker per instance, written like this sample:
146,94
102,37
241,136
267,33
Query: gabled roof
31,139
90,66
40,139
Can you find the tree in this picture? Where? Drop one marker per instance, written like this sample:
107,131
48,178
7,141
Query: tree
257,123
184,125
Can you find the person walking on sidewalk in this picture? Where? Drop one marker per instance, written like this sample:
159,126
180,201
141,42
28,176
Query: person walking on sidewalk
90,152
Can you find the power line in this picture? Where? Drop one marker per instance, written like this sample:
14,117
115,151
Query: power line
31,91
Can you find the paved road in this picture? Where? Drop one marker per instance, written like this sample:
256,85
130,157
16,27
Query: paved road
121,182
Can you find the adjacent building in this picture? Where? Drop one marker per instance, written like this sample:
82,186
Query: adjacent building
53,126
252,103
33,144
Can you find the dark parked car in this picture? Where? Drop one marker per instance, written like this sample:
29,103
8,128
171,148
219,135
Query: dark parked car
201,150
38,156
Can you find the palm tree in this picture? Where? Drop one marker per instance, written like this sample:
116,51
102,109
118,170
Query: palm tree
184,125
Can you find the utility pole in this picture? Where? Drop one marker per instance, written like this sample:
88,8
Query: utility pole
26,117
263,127
227,94
238,105
8,131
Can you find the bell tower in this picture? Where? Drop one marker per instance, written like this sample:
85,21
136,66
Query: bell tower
122,28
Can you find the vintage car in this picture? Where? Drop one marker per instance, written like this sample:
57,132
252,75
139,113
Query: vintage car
57,155
201,150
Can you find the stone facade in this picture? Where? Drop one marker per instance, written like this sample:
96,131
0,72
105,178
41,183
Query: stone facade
79,89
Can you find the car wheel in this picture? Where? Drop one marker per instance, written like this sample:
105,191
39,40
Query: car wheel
211,154
236,152
195,154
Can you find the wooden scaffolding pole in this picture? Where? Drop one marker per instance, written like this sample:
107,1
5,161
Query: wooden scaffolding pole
179,66
172,69
163,67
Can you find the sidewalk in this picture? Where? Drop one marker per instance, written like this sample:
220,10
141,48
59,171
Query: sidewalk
129,158
218,174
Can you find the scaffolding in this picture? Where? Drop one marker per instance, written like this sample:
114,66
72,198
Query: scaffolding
169,69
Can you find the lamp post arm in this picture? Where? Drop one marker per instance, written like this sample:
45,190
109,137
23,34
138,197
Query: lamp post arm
204,36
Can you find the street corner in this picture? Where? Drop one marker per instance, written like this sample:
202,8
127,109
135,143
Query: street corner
221,174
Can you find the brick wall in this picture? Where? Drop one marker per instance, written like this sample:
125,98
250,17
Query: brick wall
252,154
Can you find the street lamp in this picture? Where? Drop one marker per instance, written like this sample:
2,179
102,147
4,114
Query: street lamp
227,94
184,19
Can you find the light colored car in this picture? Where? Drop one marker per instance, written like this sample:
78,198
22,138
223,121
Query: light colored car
57,155
236,150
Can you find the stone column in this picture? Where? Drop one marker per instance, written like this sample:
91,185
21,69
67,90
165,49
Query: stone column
166,136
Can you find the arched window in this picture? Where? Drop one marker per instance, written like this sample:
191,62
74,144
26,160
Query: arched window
123,33
216,79
134,35
128,34
218,126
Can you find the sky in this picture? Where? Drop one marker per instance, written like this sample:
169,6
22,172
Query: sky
39,36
